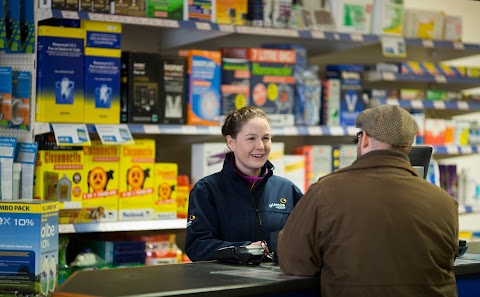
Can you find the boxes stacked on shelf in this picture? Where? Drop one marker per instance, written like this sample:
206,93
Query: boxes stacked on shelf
29,248
102,72
316,15
203,106
136,181
102,176
166,175
207,158
294,170
60,75
342,98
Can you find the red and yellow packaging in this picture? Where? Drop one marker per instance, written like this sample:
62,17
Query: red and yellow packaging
102,166
137,181
166,190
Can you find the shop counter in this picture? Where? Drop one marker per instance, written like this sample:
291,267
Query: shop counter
218,280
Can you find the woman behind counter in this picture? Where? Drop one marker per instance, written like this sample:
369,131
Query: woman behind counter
243,204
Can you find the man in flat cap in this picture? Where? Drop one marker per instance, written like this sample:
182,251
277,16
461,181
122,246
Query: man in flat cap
375,228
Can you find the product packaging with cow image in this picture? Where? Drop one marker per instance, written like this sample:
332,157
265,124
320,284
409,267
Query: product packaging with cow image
137,195
102,72
60,79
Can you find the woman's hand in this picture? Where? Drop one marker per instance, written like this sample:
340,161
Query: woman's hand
261,243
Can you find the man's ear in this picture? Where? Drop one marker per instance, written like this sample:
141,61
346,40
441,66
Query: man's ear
365,139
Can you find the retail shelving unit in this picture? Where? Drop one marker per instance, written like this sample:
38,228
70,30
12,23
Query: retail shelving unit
168,36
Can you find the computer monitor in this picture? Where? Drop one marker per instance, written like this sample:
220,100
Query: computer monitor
420,156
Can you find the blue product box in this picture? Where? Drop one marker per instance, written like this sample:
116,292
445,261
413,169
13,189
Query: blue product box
350,95
7,154
28,247
5,95
60,75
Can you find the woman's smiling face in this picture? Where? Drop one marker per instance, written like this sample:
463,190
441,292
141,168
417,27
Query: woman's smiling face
251,146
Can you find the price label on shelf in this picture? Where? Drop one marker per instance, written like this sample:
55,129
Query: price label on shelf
226,28
452,149
356,37
463,105
428,43
466,149
151,129
314,130
203,26
393,102
388,76
441,79
417,104
393,47
71,134
439,105
318,34
458,46
114,134
72,15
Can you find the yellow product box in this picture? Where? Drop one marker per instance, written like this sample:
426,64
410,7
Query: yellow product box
137,181
60,75
102,72
102,166
231,12
166,190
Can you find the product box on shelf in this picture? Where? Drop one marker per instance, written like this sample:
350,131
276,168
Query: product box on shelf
453,28
102,72
7,154
230,12
71,5
428,24
170,9
235,88
28,247
173,96
272,83
137,181
435,131
294,170
200,10
207,158
130,7
97,6
353,16
26,156
141,82
60,75
166,175
102,163
388,16
203,106
5,95
21,96
318,161
349,89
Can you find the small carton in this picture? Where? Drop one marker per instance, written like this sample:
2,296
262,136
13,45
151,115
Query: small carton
28,263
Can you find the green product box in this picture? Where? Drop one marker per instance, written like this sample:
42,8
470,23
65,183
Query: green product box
165,9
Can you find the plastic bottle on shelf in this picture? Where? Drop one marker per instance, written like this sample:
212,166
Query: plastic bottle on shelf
52,274
44,276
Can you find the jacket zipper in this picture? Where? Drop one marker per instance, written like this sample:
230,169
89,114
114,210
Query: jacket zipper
258,229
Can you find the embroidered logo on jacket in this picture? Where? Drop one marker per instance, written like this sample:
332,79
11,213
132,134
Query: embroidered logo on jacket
280,205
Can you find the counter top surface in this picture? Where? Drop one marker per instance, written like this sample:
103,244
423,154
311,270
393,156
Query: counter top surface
191,279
